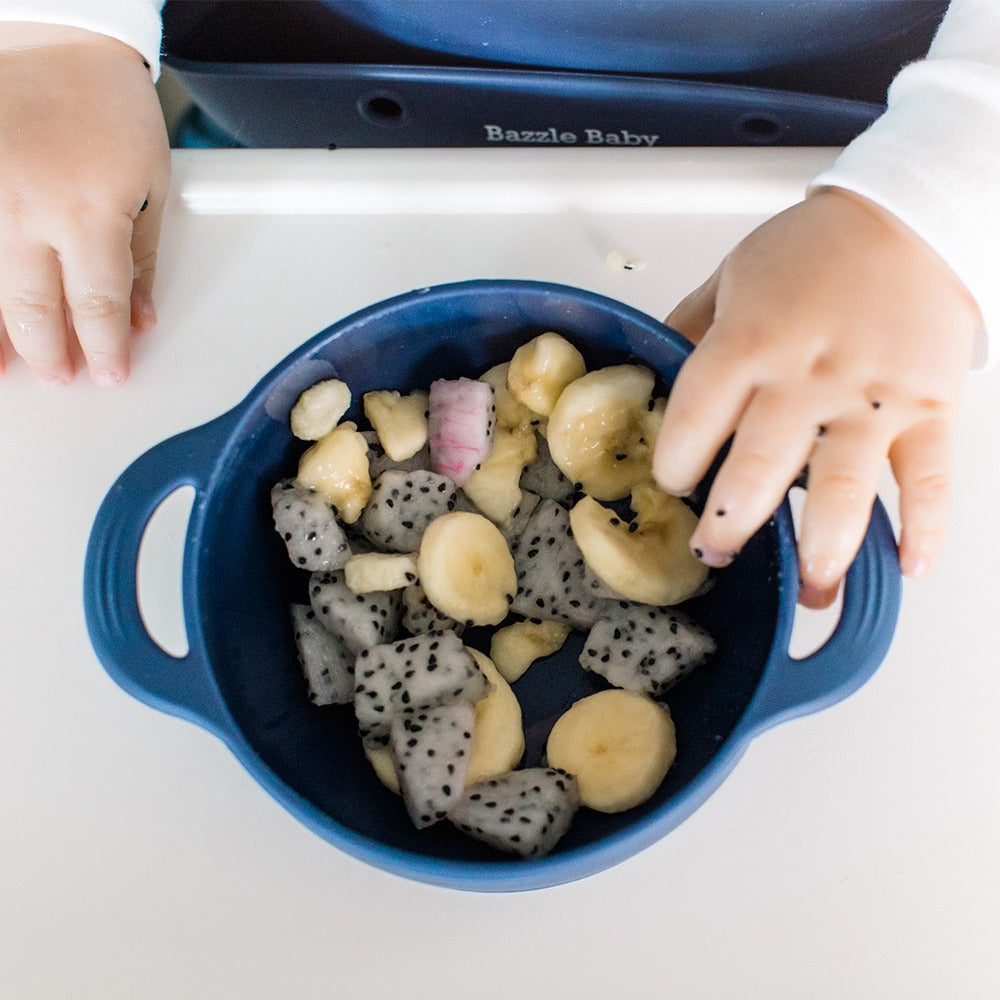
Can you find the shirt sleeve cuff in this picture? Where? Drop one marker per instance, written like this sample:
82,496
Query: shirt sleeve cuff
134,22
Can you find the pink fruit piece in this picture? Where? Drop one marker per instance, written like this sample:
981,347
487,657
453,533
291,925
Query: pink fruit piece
461,419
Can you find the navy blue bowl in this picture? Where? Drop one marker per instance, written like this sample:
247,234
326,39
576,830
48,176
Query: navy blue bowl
241,680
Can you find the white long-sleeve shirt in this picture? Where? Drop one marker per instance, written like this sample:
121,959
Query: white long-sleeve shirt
932,160
136,22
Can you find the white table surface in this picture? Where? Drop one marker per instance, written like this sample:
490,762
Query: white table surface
852,853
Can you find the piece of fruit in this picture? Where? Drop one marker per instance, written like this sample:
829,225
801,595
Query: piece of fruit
601,431
524,812
515,647
543,476
431,748
327,663
421,672
400,421
319,409
511,413
553,580
648,560
494,487
306,522
460,426
379,461
541,369
466,568
420,616
498,739
373,572
384,765
619,744
642,648
519,517
360,620
401,506
337,467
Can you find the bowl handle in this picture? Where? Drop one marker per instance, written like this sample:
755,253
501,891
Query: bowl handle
872,593
184,685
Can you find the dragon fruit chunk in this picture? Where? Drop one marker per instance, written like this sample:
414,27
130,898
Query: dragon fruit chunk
545,478
461,419
553,581
422,672
420,616
360,620
519,517
328,665
522,812
401,506
431,749
643,648
307,524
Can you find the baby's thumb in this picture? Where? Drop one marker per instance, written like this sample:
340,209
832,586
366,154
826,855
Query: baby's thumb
694,314
145,240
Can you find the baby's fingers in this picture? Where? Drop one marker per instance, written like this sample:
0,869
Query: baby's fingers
844,473
97,278
770,448
921,460
31,301
703,408
145,239
694,314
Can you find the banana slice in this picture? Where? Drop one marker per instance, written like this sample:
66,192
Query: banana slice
602,429
497,740
384,765
373,572
541,369
399,421
648,560
495,486
619,744
336,466
515,647
318,410
466,568
512,414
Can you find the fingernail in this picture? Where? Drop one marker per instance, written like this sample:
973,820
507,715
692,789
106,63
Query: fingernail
915,566
143,311
816,598
712,557
108,379
56,378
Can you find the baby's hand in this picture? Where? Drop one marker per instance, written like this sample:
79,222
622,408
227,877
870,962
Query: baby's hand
831,336
84,169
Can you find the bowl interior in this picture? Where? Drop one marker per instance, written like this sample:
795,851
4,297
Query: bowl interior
245,581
